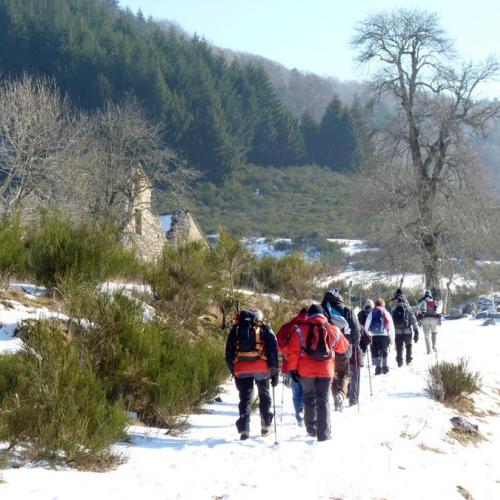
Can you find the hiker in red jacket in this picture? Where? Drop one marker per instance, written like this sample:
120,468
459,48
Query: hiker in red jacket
311,361
283,336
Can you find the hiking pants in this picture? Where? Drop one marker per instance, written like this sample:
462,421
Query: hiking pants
245,389
429,326
380,348
403,340
341,377
355,370
298,399
317,406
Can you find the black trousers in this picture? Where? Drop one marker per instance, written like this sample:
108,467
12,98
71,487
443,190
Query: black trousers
317,406
380,348
403,340
245,389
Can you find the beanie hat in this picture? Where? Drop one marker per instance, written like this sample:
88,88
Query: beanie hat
333,296
427,293
369,303
315,309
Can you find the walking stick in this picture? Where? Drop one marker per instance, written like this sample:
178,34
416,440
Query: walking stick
274,409
358,374
369,371
282,397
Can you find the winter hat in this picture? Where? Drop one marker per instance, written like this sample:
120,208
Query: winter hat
369,303
333,296
428,293
315,309
398,295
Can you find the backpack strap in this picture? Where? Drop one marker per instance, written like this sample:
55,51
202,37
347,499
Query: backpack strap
301,338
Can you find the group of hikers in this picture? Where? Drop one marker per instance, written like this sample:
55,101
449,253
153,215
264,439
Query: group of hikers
322,350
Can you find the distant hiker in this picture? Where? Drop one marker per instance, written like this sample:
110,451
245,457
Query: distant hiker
429,311
404,322
252,356
365,339
284,335
381,329
311,361
345,364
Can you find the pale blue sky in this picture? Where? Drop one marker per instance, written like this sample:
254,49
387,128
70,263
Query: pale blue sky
313,35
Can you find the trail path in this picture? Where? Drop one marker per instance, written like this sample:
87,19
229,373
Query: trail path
395,448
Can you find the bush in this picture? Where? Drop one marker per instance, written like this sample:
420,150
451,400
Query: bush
13,257
89,251
182,277
291,276
158,370
52,405
448,382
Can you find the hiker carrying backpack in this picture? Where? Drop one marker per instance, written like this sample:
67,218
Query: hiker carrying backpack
429,311
252,357
404,324
380,326
310,360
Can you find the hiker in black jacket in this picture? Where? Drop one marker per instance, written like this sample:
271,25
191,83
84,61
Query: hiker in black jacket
405,323
252,358
347,366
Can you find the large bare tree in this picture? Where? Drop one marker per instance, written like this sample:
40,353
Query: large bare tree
424,151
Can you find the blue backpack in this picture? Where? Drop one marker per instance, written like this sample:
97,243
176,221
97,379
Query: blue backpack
377,325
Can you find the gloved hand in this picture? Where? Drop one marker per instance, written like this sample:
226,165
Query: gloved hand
295,376
275,378
415,337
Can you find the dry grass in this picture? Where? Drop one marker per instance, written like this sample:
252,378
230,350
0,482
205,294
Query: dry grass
464,438
464,493
424,447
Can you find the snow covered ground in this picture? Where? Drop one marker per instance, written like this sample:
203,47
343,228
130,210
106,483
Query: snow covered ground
395,447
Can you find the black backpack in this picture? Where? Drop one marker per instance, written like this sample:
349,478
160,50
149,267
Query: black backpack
318,342
401,316
249,342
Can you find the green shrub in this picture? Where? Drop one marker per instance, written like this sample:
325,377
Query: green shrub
182,277
156,369
13,257
291,276
52,405
448,382
89,251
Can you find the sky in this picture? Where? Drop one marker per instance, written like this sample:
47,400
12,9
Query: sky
314,35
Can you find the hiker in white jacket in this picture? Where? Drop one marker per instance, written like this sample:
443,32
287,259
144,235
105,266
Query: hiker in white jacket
380,327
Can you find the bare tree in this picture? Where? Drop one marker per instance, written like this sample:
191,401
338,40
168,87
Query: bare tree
35,129
117,146
425,149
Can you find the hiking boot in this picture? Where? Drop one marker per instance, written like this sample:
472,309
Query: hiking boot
338,402
378,370
352,402
244,435
385,369
265,430
400,363
311,434
408,361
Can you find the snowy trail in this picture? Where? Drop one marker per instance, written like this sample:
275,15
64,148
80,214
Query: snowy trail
394,448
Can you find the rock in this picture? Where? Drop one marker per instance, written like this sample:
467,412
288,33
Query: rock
461,424
482,314
218,399
470,309
455,314
490,321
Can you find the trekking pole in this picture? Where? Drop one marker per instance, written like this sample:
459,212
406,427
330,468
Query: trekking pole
274,409
282,397
369,371
358,374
